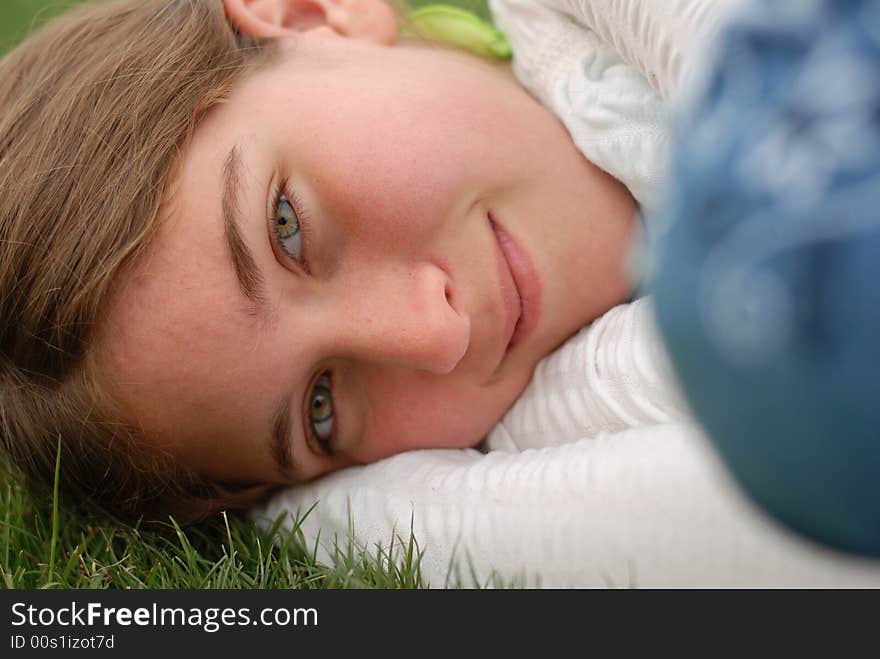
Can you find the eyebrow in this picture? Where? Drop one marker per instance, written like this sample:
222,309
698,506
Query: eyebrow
250,278
280,445
252,287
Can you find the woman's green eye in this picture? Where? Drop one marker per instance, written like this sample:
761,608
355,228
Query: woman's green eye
287,229
321,412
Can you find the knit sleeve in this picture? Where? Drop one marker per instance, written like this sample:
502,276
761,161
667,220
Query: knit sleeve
611,111
663,41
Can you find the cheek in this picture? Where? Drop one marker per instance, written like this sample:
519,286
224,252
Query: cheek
411,170
400,191
428,414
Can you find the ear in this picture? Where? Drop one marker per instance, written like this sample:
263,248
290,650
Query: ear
373,20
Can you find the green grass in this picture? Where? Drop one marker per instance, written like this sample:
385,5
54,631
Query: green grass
18,17
45,545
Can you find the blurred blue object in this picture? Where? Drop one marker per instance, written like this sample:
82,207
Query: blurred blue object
766,268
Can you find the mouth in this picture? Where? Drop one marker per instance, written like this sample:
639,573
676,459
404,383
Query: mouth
521,288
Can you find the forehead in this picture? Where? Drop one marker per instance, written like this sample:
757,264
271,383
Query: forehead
177,310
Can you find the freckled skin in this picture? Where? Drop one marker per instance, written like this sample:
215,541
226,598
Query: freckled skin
398,154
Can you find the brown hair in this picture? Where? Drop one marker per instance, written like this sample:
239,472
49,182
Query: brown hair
95,109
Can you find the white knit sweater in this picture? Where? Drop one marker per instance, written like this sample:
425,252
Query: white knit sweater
605,67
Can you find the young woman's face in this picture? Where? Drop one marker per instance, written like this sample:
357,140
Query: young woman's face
367,249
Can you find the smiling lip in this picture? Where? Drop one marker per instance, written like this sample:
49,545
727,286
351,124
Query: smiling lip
522,273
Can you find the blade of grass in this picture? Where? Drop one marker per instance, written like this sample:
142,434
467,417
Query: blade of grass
54,542
8,506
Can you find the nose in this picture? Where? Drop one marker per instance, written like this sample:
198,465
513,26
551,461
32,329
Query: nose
404,316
